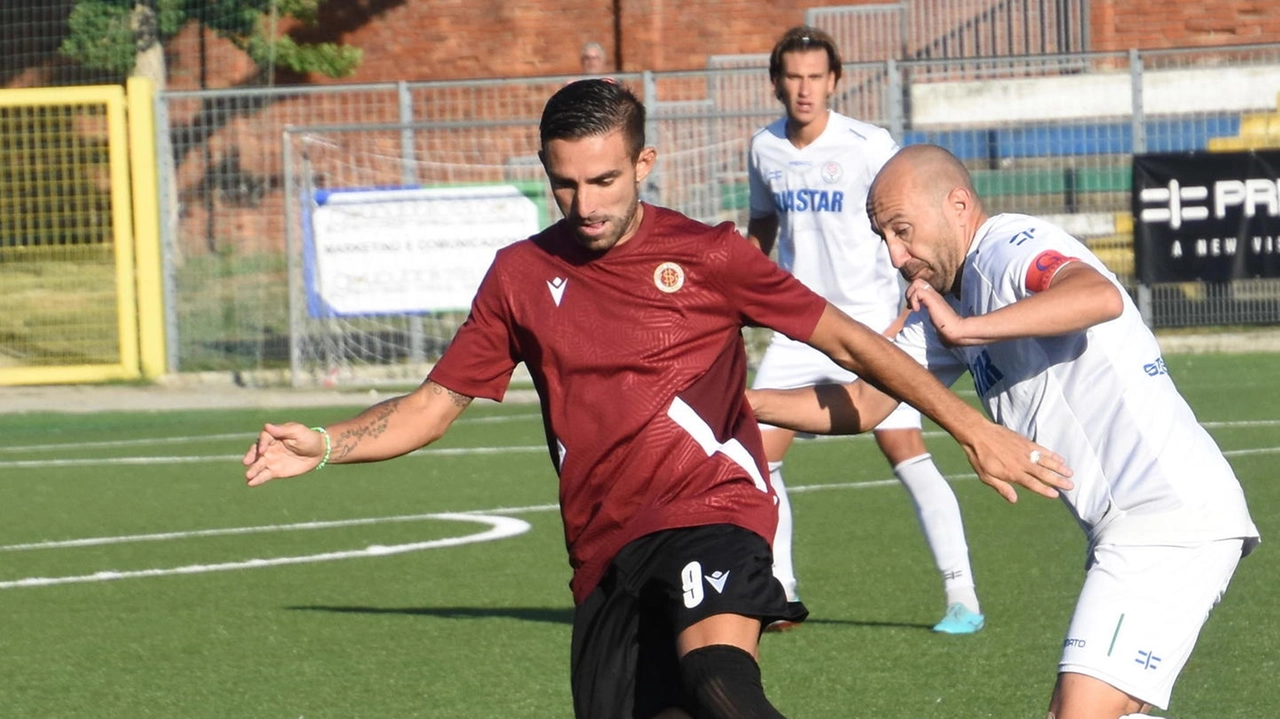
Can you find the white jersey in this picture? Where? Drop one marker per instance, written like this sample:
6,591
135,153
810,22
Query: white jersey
819,194
1146,472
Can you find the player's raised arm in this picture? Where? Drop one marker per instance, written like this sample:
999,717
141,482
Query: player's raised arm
1001,457
1077,298
388,429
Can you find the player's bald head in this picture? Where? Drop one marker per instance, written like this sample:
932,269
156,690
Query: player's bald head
927,171
923,204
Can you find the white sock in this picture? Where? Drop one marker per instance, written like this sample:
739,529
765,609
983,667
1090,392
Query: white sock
939,516
783,569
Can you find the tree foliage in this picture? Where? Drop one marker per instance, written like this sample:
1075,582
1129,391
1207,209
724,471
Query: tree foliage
109,34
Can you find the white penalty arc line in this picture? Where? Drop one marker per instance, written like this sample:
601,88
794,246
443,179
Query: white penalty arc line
258,529
499,528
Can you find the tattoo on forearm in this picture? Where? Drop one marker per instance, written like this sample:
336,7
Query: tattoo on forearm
375,423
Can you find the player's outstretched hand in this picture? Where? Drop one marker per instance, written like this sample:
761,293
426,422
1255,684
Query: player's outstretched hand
1004,458
283,450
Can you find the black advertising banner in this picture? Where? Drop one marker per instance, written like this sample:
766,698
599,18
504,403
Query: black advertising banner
1211,216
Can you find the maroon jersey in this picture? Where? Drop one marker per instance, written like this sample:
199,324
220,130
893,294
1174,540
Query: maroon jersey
638,359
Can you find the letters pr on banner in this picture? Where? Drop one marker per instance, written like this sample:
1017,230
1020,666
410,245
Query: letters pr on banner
1210,216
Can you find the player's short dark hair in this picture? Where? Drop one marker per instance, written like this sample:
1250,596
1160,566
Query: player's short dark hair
804,38
587,108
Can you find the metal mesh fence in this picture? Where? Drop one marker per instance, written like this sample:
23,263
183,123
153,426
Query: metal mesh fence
225,213
57,263
944,29
1050,135
65,256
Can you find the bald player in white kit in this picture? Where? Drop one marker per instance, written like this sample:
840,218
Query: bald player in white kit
1059,354
809,175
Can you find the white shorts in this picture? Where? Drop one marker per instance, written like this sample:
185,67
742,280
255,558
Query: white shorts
1141,610
788,364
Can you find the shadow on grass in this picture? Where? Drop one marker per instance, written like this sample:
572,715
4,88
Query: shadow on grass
856,623
556,615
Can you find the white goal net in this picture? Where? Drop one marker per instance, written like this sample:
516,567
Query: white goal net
391,230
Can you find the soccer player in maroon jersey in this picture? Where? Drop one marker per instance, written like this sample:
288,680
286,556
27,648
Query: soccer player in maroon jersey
628,317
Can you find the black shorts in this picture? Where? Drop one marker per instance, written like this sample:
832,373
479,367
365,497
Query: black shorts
624,663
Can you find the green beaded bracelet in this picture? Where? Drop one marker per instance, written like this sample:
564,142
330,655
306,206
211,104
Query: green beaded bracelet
328,447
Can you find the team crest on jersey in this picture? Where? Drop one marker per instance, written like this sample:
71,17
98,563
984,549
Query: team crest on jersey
832,172
668,277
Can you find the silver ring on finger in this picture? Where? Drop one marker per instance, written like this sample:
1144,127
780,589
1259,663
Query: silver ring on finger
1035,456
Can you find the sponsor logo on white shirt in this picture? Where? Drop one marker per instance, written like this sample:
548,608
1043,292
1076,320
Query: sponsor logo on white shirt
985,373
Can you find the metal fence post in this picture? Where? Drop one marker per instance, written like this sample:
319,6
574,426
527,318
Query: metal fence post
292,250
1138,125
895,100
652,191
409,176
168,230
408,173
1138,115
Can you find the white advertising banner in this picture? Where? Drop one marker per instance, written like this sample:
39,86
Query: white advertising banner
410,250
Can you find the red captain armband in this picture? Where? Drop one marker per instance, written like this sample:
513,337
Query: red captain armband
1043,268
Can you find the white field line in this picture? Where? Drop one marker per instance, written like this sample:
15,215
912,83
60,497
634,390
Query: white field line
499,528
497,511
450,451
502,526
364,521
192,459
247,438
260,529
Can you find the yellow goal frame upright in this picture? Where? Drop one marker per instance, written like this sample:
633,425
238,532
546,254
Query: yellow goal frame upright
135,236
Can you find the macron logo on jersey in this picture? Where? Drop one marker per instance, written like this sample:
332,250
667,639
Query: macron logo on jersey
557,289
717,579
809,201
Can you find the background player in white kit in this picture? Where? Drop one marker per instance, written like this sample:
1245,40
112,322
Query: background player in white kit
809,175
1059,354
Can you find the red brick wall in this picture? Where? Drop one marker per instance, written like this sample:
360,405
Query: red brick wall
462,39
458,39
1155,24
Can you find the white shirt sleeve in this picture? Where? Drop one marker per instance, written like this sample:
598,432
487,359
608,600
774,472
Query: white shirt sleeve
919,339
1024,255
761,197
